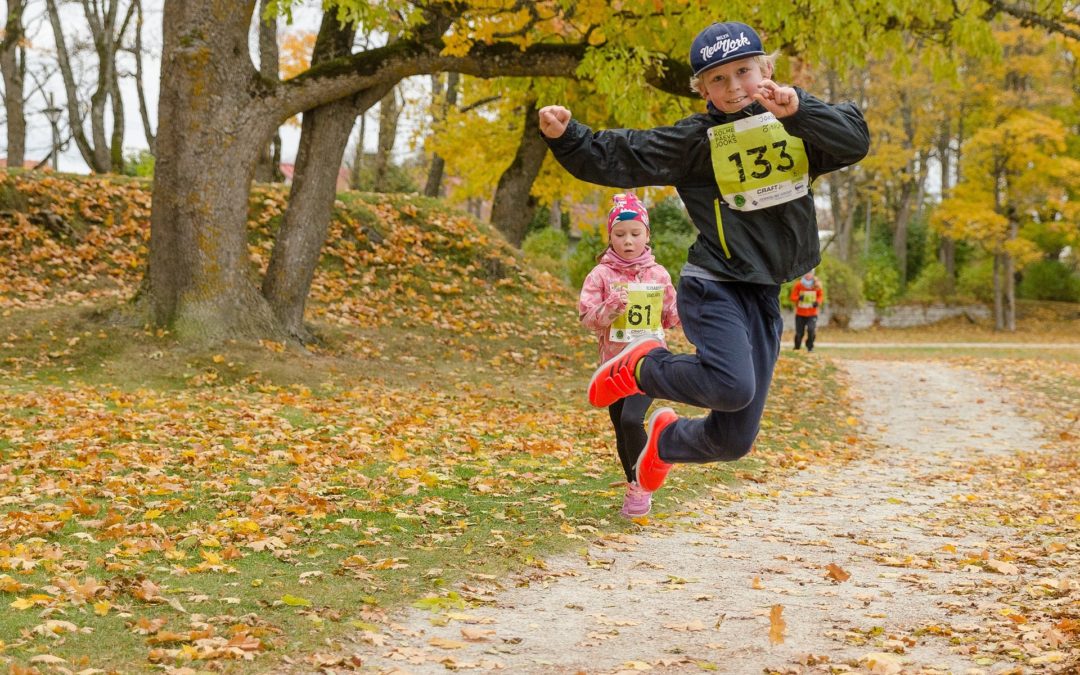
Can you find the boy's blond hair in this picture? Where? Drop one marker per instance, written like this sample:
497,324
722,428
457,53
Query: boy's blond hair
762,60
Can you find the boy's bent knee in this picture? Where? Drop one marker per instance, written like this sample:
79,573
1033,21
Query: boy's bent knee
729,397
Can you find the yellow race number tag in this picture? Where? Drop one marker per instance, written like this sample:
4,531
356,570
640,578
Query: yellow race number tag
642,315
757,163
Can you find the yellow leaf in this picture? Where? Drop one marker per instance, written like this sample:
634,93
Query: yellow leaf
22,603
102,607
295,601
776,625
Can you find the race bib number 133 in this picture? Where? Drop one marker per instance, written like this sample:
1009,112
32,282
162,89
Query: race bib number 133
757,163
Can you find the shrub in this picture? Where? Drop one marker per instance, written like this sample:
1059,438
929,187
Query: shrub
668,217
881,281
546,250
976,280
842,287
670,250
932,285
583,258
1049,280
139,163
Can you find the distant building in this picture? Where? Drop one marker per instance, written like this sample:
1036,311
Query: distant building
27,163
287,170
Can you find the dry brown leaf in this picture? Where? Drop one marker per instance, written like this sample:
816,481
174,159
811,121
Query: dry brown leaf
834,572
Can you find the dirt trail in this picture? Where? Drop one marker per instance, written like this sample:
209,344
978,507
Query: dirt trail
698,595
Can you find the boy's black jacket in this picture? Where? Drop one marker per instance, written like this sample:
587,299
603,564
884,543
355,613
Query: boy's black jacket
768,246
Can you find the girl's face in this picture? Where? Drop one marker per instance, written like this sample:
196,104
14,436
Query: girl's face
731,86
629,238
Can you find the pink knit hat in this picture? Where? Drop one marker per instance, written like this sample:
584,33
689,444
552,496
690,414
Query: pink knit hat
627,207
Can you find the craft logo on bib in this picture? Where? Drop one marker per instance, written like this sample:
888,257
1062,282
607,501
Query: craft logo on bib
642,315
757,163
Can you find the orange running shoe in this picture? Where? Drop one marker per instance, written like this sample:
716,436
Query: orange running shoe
614,379
650,469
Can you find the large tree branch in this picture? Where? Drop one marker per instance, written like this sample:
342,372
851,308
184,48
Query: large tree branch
346,76
1061,24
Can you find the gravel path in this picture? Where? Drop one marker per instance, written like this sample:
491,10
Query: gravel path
698,596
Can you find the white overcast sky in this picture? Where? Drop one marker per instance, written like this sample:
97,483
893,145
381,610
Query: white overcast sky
41,59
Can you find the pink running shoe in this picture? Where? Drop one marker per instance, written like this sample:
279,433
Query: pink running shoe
650,469
637,502
615,379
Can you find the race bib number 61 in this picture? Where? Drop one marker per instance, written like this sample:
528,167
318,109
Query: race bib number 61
642,315
757,163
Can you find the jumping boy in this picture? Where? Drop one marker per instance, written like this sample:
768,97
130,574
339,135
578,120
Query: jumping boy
743,170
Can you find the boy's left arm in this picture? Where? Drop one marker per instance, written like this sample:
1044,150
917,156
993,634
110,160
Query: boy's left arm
835,135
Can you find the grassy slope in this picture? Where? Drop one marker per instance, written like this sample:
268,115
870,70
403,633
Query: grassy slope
161,505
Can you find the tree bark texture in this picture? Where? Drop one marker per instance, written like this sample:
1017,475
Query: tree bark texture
210,130
13,66
513,207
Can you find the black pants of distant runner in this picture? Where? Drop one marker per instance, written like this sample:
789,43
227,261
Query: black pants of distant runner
736,329
628,418
807,324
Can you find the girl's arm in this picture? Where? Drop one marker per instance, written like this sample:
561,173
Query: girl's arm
598,307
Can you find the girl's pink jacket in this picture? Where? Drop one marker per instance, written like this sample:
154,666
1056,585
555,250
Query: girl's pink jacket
597,306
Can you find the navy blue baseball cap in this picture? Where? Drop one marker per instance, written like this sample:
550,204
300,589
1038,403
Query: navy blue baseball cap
723,42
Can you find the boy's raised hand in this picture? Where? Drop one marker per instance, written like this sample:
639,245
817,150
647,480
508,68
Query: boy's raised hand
780,101
553,120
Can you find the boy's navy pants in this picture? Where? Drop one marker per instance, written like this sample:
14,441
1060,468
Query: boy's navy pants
736,329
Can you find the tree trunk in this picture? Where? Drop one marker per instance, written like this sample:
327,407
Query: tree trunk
266,169
144,112
104,44
433,188
1010,279
323,138
13,66
200,275
116,139
107,37
947,246
999,314
513,206
389,112
358,153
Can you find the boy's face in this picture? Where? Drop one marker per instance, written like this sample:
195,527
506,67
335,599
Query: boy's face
731,86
